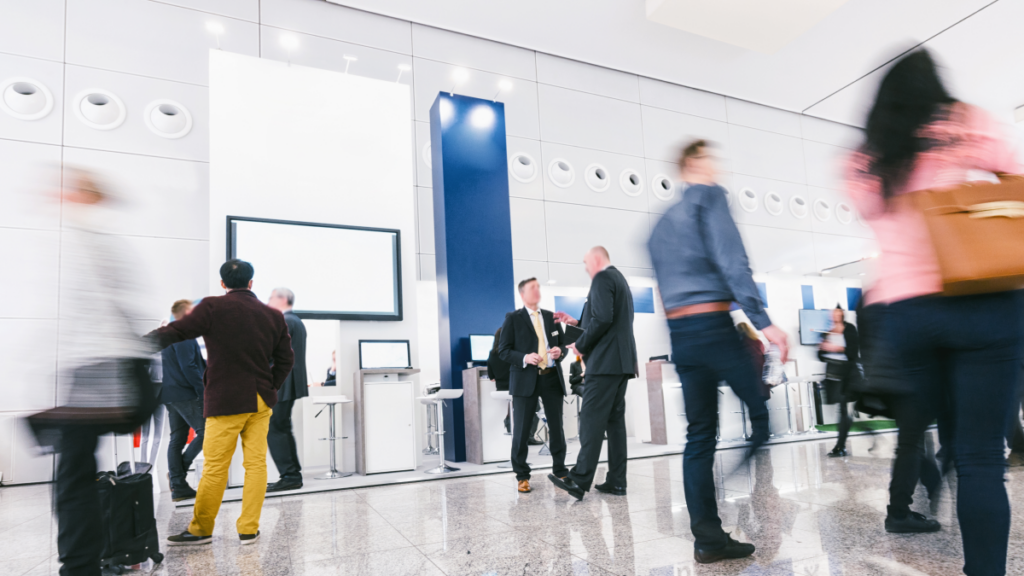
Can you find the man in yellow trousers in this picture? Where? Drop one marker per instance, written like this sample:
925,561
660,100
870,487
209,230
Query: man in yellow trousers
249,355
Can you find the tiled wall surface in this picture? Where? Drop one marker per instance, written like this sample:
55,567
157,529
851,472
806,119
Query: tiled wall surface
144,50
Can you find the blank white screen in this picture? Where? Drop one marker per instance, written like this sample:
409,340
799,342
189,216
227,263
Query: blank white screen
480,346
333,270
384,354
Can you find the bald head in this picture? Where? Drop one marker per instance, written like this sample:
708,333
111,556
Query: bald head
596,260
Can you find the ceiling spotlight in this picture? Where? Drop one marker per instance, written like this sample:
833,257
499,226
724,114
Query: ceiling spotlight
863,273
459,76
348,61
289,43
215,28
402,69
787,268
874,255
504,85
826,271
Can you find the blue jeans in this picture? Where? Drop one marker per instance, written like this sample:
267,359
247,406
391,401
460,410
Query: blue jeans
972,345
182,416
707,349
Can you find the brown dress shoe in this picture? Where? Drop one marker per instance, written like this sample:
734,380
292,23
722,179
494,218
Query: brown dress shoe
524,486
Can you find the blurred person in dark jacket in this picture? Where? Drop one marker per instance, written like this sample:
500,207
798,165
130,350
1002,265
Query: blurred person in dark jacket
182,393
296,386
840,350
499,372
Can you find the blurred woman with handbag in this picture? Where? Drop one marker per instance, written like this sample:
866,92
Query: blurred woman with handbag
840,351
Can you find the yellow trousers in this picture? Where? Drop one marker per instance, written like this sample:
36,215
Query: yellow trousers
221,437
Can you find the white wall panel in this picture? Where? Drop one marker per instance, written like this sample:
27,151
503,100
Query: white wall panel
587,78
825,165
133,136
241,9
529,241
682,99
474,53
752,115
432,78
424,171
170,270
27,464
665,133
832,133
30,193
28,352
328,54
427,267
46,130
425,220
771,249
569,273
523,269
624,234
151,39
162,197
579,193
760,216
831,250
33,28
535,188
30,259
338,22
588,121
764,154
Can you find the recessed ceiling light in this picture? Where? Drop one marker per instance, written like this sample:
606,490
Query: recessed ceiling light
787,268
289,42
404,67
460,75
214,27
505,85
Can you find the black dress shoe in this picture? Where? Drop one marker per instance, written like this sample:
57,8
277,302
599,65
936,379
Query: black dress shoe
609,489
283,485
731,550
912,523
838,452
187,538
534,442
568,485
179,494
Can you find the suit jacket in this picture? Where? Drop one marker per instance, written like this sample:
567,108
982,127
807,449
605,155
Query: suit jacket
518,338
248,348
183,368
498,370
296,384
332,379
607,342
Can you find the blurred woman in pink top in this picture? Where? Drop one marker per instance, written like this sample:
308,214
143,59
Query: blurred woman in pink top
968,348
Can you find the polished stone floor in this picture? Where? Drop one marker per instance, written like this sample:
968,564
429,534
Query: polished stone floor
808,515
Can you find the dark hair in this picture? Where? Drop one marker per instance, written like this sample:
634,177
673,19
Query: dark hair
909,97
691,150
525,282
839,306
497,336
236,273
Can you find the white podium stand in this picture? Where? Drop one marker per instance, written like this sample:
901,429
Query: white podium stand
385,400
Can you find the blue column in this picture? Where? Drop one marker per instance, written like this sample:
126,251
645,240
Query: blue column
472,237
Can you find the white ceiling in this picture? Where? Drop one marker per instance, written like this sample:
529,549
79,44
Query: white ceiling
826,72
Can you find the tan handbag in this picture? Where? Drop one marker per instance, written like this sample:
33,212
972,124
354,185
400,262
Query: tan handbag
977,231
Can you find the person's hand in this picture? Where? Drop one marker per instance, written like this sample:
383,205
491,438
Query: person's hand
164,322
565,319
555,353
830,347
533,359
779,338
316,384
572,347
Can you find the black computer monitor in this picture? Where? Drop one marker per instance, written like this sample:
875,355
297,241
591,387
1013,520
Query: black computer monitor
384,354
480,346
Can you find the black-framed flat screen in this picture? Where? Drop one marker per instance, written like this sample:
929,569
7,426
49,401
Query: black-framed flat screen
813,325
384,354
480,347
336,272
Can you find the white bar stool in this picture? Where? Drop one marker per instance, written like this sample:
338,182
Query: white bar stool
331,402
431,448
438,398
506,396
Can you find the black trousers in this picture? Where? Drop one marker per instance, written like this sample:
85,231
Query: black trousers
914,413
603,409
845,422
281,442
78,503
524,411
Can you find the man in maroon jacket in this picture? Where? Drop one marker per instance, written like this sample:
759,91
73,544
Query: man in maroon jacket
249,355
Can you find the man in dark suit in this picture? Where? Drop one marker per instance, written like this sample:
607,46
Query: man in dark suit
281,439
182,393
609,351
531,343
249,354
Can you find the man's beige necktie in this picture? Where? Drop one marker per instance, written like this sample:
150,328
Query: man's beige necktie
540,340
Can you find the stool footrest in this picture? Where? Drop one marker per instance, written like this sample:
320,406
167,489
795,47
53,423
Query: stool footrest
335,438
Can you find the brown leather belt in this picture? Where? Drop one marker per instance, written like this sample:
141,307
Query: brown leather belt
544,371
694,309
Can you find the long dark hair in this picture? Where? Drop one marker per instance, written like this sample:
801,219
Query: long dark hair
497,336
910,96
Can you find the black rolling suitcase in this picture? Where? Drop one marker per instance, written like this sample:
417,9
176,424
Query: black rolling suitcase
129,523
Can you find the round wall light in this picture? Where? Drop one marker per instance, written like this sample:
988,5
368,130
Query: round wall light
522,167
663,187
168,119
631,182
100,109
25,98
844,213
596,177
561,173
773,203
427,155
748,200
822,210
798,207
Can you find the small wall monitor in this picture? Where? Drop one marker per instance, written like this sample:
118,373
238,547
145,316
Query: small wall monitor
480,346
376,354
814,324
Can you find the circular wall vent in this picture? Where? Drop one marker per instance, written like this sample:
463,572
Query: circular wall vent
631,182
25,98
844,213
522,167
748,199
100,109
773,203
663,187
822,210
427,155
798,206
168,119
597,178
561,173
